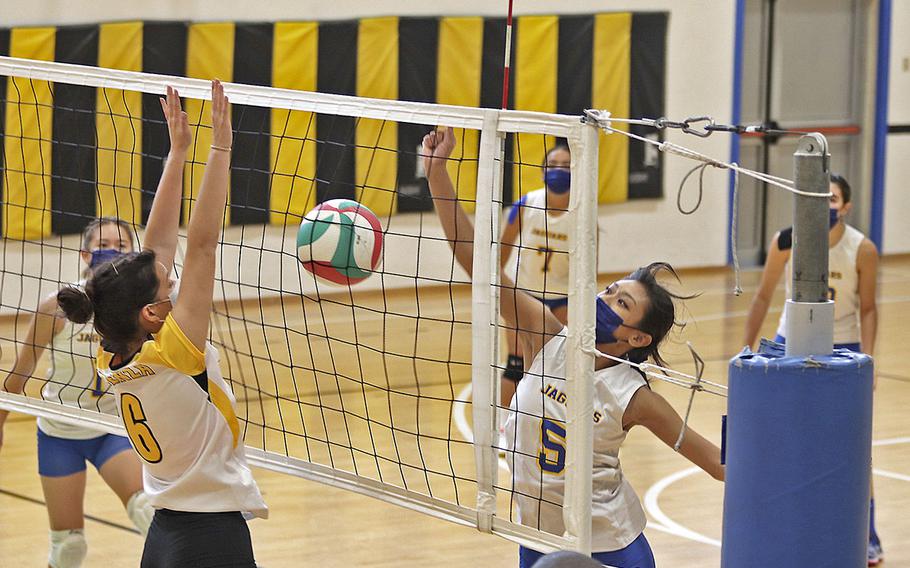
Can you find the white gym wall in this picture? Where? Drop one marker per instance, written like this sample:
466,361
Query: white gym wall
699,81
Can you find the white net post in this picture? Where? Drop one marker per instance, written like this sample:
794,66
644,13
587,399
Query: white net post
484,314
580,340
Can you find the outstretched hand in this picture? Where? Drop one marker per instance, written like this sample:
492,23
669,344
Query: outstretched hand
178,127
222,135
437,147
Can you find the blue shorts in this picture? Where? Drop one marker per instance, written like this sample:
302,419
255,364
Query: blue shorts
636,555
555,302
58,457
855,347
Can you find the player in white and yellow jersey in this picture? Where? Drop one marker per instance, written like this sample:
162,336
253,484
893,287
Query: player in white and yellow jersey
174,403
852,272
535,252
64,448
634,316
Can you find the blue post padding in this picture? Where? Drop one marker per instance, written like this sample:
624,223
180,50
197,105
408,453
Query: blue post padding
799,454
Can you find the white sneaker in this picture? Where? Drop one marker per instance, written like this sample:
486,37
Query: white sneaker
874,554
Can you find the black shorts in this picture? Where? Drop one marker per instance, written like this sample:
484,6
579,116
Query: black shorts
198,540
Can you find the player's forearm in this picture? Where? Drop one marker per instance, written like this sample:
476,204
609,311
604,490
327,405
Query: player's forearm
18,376
755,319
458,228
164,218
702,453
208,213
868,326
26,361
505,251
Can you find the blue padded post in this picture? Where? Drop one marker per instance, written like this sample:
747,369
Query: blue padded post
799,454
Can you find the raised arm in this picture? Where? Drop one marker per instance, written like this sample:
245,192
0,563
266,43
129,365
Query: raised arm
770,276
46,323
509,234
164,219
649,409
535,324
194,304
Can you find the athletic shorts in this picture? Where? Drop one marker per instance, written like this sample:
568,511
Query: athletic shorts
179,539
554,303
855,347
636,555
58,457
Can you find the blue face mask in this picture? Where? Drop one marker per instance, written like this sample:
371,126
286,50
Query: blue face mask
558,180
832,218
608,321
100,256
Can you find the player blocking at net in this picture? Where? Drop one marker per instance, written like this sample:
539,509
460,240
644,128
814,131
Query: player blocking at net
634,317
176,406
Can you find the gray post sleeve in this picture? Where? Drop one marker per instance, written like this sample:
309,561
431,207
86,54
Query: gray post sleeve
810,314
810,221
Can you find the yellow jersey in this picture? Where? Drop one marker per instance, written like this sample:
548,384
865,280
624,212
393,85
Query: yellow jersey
179,414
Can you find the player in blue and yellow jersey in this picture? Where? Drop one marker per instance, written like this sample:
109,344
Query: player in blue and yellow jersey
64,447
634,316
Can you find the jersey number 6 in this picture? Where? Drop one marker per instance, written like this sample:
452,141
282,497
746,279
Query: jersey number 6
552,456
136,427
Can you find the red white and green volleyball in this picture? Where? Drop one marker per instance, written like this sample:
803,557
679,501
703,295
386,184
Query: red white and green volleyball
340,242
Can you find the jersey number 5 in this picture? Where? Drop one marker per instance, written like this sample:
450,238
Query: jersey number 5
552,456
136,427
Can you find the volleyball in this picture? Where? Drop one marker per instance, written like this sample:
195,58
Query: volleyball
340,242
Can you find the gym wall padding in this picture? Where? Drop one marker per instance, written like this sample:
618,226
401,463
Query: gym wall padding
71,153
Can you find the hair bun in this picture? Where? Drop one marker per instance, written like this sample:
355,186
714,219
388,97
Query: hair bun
76,304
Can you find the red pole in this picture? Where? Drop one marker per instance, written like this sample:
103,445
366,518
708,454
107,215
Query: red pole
507,60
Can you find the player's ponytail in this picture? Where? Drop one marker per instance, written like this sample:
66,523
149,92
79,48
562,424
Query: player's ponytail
660,317
114,295
76,304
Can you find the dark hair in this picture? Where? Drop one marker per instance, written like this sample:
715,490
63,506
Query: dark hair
113,296
560,144
841,182
660,316
97,223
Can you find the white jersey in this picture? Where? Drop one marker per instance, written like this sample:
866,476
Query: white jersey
535,433
843,287
179,414
540,263
72,381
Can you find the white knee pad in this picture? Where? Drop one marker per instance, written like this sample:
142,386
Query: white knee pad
68,549
140,511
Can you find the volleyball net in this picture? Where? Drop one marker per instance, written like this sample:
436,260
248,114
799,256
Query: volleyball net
358,386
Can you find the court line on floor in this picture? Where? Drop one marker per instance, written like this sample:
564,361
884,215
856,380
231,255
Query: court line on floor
891,475
28,499
652,507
